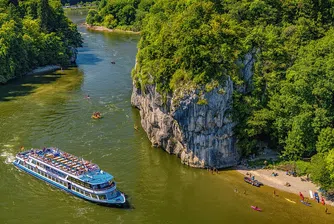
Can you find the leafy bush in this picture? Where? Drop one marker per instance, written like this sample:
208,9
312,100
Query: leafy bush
34,33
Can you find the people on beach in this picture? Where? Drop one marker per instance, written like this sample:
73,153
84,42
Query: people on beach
323,201
235,190
274,174
301,196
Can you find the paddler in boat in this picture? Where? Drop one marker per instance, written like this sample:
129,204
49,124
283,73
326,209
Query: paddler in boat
96,115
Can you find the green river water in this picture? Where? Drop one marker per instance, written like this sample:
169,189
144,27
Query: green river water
51,110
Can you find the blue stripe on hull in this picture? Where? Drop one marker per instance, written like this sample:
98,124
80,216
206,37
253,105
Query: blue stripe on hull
62,187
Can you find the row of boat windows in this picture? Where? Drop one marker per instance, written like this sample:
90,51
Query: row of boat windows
44,174
93,187
49,168
99,197
95,196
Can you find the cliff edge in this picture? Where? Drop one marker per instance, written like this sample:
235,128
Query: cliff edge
201,134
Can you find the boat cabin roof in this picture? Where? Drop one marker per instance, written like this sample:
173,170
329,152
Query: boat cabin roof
78,167
96,177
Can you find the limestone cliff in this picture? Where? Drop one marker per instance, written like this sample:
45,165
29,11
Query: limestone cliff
201,135
195,124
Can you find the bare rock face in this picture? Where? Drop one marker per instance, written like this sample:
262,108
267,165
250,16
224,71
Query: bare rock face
195,125
201,134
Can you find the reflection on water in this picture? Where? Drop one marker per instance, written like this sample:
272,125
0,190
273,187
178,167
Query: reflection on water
53,111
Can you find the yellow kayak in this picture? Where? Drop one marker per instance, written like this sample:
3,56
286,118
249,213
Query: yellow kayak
290,200
96,117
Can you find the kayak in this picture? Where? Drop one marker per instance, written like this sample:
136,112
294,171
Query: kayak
290,200
305,203
256,208
96,117
255,183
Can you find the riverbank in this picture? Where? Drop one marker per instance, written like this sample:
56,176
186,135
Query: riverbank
44,69
102,28
298,184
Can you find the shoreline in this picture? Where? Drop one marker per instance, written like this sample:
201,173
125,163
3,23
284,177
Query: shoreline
278,182
44,69
102,28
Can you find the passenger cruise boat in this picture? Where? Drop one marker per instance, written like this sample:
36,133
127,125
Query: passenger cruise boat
71,174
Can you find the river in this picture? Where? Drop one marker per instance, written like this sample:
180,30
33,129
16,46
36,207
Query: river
52,110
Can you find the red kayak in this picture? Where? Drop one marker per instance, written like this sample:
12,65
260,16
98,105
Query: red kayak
256,208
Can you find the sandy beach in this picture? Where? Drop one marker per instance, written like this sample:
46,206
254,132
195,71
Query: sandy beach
102,28
278,182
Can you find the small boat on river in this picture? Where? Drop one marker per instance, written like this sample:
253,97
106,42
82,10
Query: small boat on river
96,115
71,174
290,200
252,182
305,203
256,208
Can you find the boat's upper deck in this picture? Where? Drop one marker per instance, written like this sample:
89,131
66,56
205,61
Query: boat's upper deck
82,169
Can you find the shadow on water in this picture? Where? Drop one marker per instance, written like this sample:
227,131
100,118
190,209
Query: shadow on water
25,85
88,58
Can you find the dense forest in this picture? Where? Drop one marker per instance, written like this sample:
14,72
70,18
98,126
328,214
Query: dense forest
34,33
288,103
120,14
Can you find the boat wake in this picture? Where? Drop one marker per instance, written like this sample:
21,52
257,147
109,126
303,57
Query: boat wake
9,157
109,154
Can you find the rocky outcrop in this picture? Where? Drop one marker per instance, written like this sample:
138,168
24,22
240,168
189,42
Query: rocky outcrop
195,125
74,54
201,134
